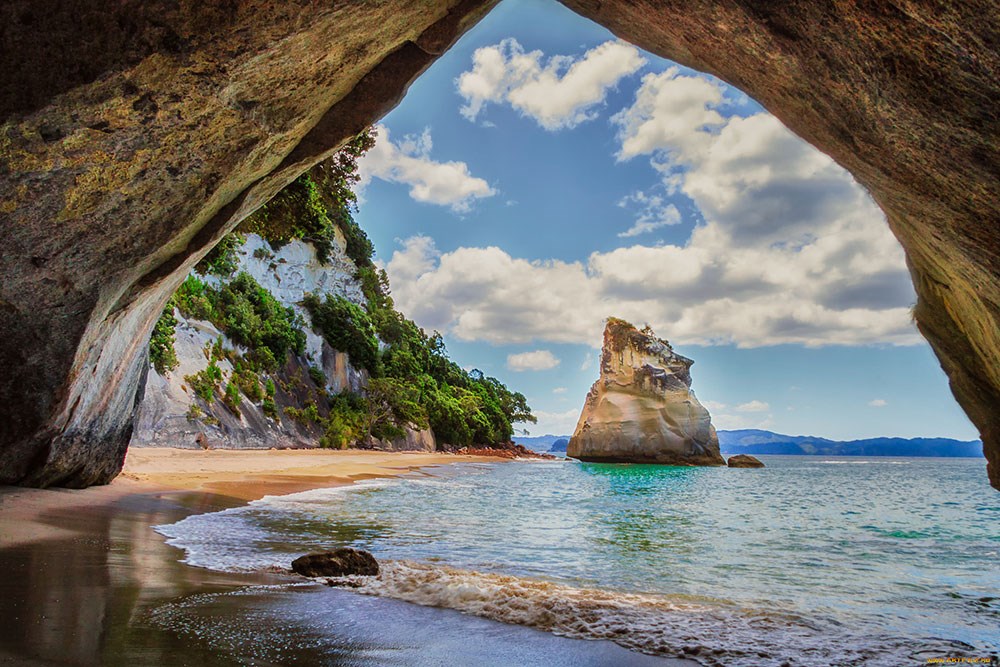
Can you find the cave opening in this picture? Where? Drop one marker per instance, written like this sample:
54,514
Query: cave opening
134,240
543,175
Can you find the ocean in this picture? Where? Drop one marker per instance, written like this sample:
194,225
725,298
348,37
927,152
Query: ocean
809,561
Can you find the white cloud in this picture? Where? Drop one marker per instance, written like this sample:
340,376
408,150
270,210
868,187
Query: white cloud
409,162
556,423
686,294
653,213
558,93
731,422
588,362
791,250
753,406
538,360
713,405
878,403
559,390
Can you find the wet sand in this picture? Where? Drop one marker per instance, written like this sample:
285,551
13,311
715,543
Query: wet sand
86,580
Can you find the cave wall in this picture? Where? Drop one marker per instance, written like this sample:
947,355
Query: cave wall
161,125
134,136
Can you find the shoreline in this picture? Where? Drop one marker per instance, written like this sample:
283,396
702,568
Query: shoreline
239,475
90,582
248,475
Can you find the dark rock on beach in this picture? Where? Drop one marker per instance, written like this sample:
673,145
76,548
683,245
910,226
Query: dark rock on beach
342,562
744,461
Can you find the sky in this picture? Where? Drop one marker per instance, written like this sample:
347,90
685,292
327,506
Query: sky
542,176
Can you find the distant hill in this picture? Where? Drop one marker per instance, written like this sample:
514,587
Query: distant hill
755,441
541,443
559,445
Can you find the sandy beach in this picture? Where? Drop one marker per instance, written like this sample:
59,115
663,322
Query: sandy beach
90,582
252,474
238,475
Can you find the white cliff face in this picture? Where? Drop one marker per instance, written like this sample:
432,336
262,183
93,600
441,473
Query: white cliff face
642,409
293,271
288,273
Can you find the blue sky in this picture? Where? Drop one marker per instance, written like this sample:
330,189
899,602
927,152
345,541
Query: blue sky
542,176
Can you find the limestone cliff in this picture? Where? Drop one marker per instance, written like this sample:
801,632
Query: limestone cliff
172,415
642,409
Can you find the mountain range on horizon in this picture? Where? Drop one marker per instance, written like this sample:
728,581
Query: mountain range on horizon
758,441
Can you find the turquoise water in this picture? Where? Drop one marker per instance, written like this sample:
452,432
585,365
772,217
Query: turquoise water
808,561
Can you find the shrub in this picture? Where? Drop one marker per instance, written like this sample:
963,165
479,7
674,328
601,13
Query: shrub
223,259
249,383
319,201
346,423
306,415
248,314
161,344
252,317
192,298
346,327
317,376
204,382
232,398
269,408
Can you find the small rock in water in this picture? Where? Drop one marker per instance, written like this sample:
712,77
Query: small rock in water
342,562
744,461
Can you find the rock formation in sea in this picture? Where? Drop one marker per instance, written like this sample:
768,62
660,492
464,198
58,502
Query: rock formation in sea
129,149
744,461
642,409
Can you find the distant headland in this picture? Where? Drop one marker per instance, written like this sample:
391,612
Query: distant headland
757,441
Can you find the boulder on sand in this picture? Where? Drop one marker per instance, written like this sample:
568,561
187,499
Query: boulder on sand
342,562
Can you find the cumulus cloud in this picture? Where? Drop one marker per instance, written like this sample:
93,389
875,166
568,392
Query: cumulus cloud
408,161
731,422
560,92
878,403
685,294
538,360
713,405
791,249
556,423
652,213
753,406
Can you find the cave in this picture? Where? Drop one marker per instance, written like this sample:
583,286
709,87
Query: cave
135,137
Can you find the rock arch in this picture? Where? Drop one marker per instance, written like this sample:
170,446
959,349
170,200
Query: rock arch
135,137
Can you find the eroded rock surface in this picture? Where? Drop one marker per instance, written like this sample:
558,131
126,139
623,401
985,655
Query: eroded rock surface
744,461
152,130
135,136
642,409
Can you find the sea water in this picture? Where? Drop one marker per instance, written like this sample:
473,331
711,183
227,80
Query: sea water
809,561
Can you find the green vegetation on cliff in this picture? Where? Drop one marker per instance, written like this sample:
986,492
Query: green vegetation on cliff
161,344
248,314
315,204
411,379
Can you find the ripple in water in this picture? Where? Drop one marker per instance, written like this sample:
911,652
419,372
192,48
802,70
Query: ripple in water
878,563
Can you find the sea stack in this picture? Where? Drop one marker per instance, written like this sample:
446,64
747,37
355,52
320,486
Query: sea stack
642,409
